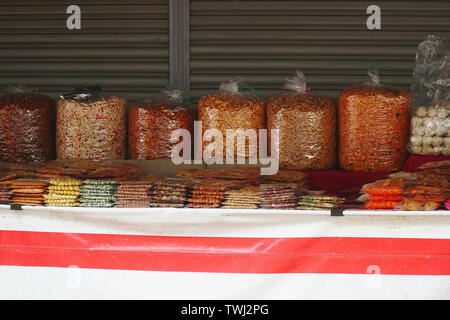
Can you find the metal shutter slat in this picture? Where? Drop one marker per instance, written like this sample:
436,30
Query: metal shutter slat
123,46
265,41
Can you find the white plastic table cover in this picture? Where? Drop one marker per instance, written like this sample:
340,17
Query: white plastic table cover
163,253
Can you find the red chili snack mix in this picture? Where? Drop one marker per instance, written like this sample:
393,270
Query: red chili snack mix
373,127
26,127
151,125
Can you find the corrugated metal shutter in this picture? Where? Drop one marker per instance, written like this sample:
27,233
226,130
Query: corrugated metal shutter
265,41
122,45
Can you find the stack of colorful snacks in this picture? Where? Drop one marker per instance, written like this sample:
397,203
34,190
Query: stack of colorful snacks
278,196
289,176
318,202
408,204
7,174
98,193
230,176
424,195
133,194
384,194
63,193
294,176
435,170
247,197
169,192
5,192
207,194
383,201
28,192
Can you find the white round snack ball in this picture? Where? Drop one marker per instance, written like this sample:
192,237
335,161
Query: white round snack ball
429,132
428,122
442,113
445,125
446,152
439,127
427,140
437,151
421,112
437,141
416,121
416,140
447,142
442,127
427,149
418,131
440,131
416,149
432,112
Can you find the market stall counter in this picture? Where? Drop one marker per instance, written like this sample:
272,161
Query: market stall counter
197,253
81,229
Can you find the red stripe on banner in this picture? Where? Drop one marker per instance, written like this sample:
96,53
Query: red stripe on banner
351,255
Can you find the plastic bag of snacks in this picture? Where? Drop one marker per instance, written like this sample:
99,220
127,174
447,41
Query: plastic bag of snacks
385,187
232,109
307,127
27,122
373,126
401,194
423,196
151,123
418,205
91,126
430,99
384,194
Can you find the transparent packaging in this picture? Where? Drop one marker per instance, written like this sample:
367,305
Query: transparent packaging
401,194
27,124
152,122
417,205
430,98
307,127
373,126
232,109
91,126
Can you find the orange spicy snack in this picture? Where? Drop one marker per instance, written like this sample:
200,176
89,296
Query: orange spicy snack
385,187
381,204
385,197
150,128
373,127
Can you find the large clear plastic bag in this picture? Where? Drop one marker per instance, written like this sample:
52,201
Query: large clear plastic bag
373,126
232,109
152,122
307,127
27,122
430,98
91,126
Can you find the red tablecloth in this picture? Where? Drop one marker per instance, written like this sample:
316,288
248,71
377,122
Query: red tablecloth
336,181
415,161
